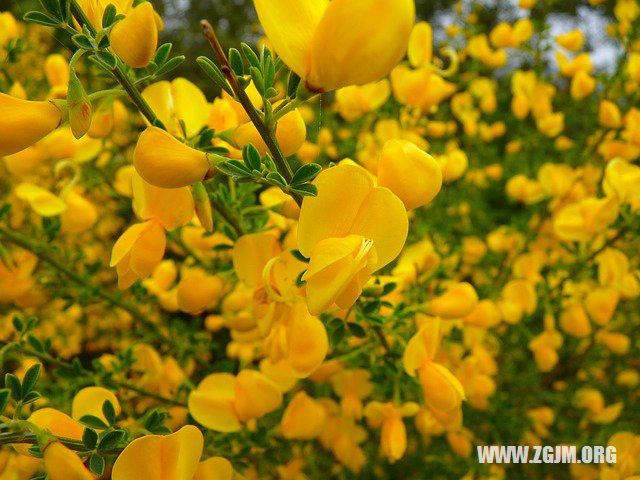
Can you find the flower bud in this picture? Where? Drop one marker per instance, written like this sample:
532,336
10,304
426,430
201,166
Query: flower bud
165,162
413,175
79,106
202,206
135,38
23,123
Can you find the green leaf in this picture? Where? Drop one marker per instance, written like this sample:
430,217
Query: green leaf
292,85
170,65
109,412
4,210
271,93
35,343
82,41
96,464
41,19
269,74
5,393
356,330
162,54
237,168
250,55
110,441
258,81
12,382
306,190
90,438
306,173
93,422
17,324
277,179
214,73
108,58
109,16
337,335
235,60
30,378
30,398
252,157
52,7
104,42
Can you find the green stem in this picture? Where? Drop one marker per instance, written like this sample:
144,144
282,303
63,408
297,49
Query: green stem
105,93
44,254
119,73
281,162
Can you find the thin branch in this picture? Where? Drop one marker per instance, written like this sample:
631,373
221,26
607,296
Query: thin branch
281,162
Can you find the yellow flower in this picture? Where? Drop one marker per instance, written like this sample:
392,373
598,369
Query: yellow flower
340,43
43,202
165,162
443,392
223,402
505,35
457,302
582,84
135,38
157,457
303,419
354,101
412,174
62,463
178,101
622,179
572,40
350,230
609,114
23,123
393,438
582,220
137,252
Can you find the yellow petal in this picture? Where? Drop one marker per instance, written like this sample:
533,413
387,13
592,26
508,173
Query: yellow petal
135,38
290,27
148,249
255,395
62,463
156,457
348,203
442,390
214,468
89,401
307,341
359,41
420,45
165,162
211,404
171,207
124,243
250,255
42,201
23,123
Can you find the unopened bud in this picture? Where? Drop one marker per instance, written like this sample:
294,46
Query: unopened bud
203,206
79,106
